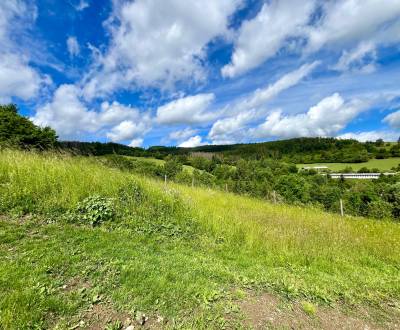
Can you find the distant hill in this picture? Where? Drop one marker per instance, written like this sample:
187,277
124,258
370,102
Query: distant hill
299,150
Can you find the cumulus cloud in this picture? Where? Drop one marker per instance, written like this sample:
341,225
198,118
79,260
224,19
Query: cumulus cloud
370,136
186,110
182,134
66,113
158,43
127,130
358,27
232,128
393,119
327,118
17,77
73,46
263,36
192,142
349,21
71,118
136,143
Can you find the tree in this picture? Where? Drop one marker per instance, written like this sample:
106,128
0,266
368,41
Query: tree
172,168
18,131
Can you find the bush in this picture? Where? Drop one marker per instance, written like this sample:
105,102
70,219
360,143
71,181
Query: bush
96,209
379,209
172,168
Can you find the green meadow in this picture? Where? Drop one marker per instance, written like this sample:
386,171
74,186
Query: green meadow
381,164
177,257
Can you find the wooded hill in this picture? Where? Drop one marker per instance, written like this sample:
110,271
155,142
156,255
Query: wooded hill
299,150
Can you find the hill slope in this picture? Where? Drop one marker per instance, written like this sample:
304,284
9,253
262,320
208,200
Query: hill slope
187,257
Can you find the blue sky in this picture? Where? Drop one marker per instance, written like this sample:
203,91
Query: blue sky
173,72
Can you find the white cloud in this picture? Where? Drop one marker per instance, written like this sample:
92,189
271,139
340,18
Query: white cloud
17,77
127,130
66,113
357,27
73,46
263,36
361,58
346,22
182,134
261,96
71,118
83,4
393,119
158,43
370,136
233,128
192,142
136,143
186,110
328,117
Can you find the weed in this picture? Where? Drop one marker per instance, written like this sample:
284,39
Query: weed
95,210
308,308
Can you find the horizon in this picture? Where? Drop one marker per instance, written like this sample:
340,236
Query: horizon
185,74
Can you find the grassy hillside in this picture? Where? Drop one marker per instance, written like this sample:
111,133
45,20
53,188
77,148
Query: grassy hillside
381,164
187,257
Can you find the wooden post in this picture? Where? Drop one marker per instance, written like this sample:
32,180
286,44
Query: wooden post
192,181
165,180
341,208
226,187
274,196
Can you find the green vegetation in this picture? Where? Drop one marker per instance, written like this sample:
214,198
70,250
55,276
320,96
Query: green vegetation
381,165
274,181
300,150
188,255
18,131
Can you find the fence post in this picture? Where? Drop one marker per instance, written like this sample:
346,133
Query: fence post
341,208
226,187
192,181
165,180
274,196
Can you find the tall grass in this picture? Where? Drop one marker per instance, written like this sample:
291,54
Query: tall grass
298,252
303,251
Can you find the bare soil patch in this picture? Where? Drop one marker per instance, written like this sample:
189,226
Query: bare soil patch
267,311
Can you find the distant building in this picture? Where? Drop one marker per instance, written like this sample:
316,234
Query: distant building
358,175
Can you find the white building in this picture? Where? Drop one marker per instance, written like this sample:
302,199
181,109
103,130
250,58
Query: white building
358,175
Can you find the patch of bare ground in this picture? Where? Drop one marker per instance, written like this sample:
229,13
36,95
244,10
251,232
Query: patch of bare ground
103,315
267,311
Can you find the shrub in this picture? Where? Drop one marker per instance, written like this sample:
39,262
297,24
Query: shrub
379,209
96,209
172,168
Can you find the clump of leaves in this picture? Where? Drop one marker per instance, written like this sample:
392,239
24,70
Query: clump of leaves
308,308
96,209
